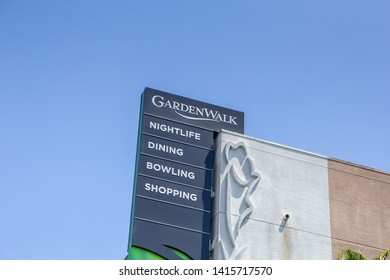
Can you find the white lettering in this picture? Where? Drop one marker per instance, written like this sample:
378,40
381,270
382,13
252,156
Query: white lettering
232,120
159,103
165,148
175,130
202,113
170,192
170,170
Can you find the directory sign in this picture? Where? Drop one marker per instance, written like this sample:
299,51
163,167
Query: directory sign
171,209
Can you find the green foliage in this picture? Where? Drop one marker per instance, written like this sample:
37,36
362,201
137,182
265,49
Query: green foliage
383,256
349,254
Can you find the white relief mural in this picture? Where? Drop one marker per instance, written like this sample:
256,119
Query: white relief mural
249,210
239,180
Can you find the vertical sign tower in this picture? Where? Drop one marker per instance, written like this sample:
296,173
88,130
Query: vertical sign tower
171,208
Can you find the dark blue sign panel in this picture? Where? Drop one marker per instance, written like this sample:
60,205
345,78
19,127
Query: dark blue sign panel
171,215
170,241
196,113
178,132
175,151
174,215
169,192
175,172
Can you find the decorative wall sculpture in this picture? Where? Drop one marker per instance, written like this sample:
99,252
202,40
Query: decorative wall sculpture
239,180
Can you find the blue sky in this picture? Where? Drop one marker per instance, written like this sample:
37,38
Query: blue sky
313,75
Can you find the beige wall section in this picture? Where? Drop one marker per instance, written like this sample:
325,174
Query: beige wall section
359,208
275,180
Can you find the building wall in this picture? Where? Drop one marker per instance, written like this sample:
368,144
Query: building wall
360,208
258,182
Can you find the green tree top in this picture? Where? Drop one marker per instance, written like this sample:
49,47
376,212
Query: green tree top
349,254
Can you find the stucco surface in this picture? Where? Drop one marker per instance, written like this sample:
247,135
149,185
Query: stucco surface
291,181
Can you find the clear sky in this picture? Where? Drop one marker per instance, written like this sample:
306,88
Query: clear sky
314,75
